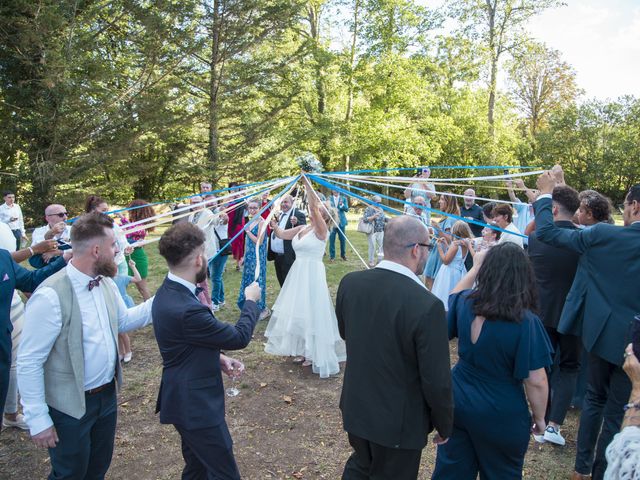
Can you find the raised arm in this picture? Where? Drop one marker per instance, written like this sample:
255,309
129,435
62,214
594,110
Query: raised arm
315,217
285,234
512,195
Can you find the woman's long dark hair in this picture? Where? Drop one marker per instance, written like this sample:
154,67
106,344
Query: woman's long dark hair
506,285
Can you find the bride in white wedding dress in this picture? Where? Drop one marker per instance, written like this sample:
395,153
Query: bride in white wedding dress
303,322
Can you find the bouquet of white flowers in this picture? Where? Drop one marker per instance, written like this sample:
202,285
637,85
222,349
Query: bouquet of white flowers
309,163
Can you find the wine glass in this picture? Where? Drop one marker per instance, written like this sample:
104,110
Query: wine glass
232,391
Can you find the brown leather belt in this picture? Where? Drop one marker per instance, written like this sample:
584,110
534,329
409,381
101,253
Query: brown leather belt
93,391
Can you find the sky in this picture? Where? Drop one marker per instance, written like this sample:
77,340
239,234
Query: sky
600,39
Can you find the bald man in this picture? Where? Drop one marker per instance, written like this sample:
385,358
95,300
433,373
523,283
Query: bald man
397,382
56,229
472,211
281,251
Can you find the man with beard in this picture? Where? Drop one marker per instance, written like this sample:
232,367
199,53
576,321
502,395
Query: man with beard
397,382
68,361
190,338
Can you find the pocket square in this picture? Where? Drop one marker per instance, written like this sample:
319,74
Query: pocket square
6,277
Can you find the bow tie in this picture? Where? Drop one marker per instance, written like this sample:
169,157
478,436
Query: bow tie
95,282
198,291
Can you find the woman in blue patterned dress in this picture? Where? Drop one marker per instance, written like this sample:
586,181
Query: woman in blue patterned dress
252,231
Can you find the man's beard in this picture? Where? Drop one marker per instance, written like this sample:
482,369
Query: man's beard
106,267
201,276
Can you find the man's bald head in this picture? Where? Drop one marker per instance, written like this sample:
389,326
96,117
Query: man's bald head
286,203
53,214
401,235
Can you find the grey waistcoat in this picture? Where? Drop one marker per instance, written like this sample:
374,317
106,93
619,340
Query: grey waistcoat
64,368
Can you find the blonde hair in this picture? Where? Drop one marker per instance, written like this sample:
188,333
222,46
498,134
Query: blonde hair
329,214
461,229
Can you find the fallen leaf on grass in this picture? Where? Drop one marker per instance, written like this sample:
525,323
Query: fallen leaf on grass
288,399
262,385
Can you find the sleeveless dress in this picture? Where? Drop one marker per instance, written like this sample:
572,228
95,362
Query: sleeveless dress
249,269
304,320
448,277
434,262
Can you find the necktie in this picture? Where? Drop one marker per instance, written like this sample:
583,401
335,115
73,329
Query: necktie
95,282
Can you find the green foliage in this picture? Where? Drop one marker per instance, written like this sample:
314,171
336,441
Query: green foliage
133,98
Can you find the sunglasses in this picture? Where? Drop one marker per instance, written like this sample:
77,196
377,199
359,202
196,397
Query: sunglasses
428,246
61,215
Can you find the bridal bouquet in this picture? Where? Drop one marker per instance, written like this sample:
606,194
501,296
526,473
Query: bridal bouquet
309,163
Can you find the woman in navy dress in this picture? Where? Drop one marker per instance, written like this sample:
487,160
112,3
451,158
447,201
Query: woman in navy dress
503,351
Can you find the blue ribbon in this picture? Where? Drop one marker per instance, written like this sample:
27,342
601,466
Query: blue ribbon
436,167
457,217
262,210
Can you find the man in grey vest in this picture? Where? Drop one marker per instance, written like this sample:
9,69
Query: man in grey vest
68,364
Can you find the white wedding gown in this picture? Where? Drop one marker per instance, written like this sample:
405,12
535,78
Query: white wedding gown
304,320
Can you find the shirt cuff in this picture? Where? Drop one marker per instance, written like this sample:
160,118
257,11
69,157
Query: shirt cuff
40,424
544,195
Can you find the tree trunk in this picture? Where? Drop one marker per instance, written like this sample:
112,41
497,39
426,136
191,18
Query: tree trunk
352,57
213,151
493,79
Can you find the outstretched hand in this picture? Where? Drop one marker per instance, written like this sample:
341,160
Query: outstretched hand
230,366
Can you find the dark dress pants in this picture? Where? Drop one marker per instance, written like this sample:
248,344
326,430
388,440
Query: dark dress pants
282,264
18,235
375,462
565,374
608,391
208,454
85,445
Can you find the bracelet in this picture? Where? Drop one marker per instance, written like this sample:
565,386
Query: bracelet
631,405
31,251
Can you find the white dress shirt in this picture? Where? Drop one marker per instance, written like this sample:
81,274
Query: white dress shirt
277,244
43,323
182,281
14,211
396,267
39,233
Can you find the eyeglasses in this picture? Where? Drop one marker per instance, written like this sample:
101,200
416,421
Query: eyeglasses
61,215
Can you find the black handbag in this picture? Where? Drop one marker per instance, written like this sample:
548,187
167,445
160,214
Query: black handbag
221,241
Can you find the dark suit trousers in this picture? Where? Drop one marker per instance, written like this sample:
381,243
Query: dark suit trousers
375,462
85,446
208,454
565,374
282,263
608,391
5,363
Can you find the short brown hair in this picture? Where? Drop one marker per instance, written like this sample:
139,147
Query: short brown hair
503,209
89,226
179,242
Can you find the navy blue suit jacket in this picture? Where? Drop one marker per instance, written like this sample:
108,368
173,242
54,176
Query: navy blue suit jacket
609,269
12,277
190,339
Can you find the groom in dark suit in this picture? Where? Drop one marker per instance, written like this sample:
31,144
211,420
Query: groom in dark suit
190,339
609,268
281,251
397,382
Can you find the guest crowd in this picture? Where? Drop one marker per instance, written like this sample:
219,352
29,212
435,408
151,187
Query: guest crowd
537,292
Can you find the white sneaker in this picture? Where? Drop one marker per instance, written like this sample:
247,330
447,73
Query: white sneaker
266,313
215,307
551,434
538,438
127,357
17,423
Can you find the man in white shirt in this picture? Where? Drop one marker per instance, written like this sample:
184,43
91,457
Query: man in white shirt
503,216
68,361
11,214
56,229
281,251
